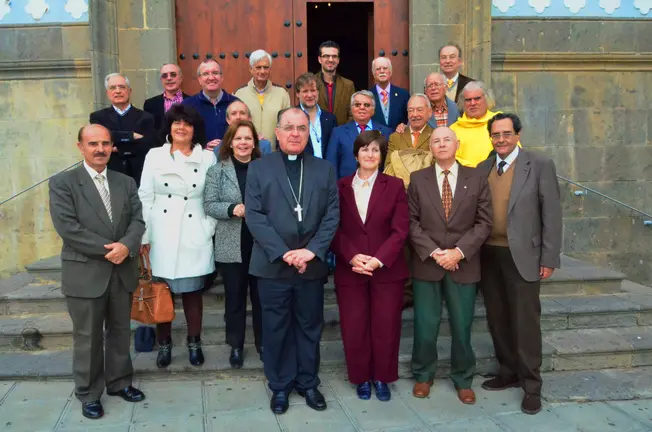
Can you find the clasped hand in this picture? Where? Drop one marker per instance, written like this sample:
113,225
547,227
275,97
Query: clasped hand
364,264
239,211
298,258
449,259
117,252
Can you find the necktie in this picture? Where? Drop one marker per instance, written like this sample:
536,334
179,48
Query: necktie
362,127
451,83
384,98
501,167
416,136
446,195
104,194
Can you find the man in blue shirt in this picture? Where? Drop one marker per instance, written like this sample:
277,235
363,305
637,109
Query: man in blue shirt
211,101
322,122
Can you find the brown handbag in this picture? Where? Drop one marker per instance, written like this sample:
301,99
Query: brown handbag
152,301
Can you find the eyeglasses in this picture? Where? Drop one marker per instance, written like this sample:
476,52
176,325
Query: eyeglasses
165,75
330,56
361,104
432,86
292,128
118,87
211,73
506,135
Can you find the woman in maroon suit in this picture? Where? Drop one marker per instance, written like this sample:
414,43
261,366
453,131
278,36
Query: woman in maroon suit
371,269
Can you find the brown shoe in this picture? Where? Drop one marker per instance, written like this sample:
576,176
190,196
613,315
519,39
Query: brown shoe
499,383
466,396
531,404
421,390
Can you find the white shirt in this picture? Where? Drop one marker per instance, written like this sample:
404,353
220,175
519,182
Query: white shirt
450,92
91,172
452,181
315,132
122,112
362,196
420,132
509,160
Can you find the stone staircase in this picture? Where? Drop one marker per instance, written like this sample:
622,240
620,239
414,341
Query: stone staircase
592,318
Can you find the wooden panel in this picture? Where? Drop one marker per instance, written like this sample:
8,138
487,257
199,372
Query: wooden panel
391,32
234,26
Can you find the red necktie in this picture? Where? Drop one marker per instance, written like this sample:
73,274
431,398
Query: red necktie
384,99
362,127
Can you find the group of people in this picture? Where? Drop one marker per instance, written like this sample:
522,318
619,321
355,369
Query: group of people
421,198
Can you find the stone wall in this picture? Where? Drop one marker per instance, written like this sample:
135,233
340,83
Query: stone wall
45,96
583,91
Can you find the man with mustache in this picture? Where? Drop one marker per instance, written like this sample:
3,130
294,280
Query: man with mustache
98,215
335,91
132,130
171,80
391,100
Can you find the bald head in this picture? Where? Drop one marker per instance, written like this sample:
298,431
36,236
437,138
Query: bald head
91,128
444,145
94,143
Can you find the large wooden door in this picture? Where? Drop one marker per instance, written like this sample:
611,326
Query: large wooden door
229,30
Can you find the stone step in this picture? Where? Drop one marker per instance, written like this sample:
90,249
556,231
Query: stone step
34,293
626,309
571,349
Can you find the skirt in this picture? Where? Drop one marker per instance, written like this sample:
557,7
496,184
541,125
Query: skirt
184,285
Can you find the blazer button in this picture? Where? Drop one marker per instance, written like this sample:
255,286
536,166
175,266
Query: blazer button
194,185
185,198
190,215
170,196
165,211
166,184
195,169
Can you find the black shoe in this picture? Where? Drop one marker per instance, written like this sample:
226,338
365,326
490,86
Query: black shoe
259,349
130,394
280,402
92,410
195,354
236,358
314,399
164,357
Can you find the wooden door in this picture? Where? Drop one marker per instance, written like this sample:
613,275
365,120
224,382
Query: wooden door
228,31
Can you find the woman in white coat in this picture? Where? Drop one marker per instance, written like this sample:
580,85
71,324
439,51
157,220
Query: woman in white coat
179,234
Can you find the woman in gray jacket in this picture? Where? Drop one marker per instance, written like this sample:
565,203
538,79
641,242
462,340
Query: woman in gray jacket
224,200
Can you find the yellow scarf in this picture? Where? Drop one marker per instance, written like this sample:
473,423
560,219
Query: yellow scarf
475,142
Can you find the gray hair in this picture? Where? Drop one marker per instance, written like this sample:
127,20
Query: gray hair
366,93
172,64
425,80
478,85
116,74
420,95
207,61
235,102
373,63
257,56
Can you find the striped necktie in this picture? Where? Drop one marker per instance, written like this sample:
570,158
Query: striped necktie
104,194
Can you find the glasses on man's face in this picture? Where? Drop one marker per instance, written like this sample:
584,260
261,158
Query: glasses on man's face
361,104
120,87
433,86
210,73
293,128
330,56
506,135
165,75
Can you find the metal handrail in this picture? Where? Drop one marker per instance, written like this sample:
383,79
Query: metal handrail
38,183
586,188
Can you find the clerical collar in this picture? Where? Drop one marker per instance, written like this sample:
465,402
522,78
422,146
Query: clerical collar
292,158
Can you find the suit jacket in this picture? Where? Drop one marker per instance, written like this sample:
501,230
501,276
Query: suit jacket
403,141
382,235
340,147
453,114
271,218
462,81
131,152
156,107
534,219
398,100
344,89
468,226
82,222
328,123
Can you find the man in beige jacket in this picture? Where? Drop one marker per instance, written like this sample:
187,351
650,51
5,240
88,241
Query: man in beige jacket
263,98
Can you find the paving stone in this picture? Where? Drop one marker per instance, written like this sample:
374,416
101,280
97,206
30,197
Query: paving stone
597,416
300,418
105,428
19,416
238,421
186,423
169,399
5,387
476,425
26,391
545,421
494,402
639,380
583,386
234,395
373,414
442,405
640,410
116,412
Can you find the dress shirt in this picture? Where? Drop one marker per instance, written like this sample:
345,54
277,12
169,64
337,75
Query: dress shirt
315,132
122,112
217,100
452,181
368,127
384,108
509,160
91,172
168,102
450,92
412,136
362,195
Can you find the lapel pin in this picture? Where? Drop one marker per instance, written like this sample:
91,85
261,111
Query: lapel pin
395,94
464,187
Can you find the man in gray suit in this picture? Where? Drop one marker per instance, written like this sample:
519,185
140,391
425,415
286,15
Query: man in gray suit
97,214
523,248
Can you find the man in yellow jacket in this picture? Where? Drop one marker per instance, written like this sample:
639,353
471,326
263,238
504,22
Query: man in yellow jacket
471,128
263,98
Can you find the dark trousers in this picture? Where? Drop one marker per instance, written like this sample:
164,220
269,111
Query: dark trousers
293,316
460,302
193,310
514,318
236,279
370,318
101,338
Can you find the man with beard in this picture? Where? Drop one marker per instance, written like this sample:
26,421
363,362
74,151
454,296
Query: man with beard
335,91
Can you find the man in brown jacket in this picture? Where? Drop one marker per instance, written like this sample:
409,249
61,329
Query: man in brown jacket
417,134
450,219
335,91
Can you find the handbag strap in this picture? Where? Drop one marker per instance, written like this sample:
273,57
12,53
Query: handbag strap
146,264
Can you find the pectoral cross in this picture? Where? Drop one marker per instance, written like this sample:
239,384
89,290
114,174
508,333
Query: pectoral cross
298,210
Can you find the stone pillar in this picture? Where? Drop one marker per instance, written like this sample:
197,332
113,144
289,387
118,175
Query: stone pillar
104,46
434,23
147,40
